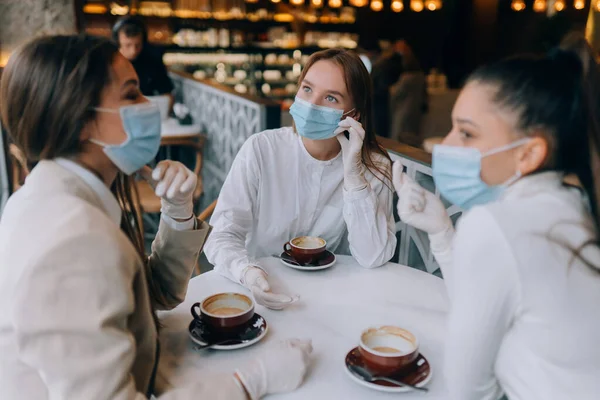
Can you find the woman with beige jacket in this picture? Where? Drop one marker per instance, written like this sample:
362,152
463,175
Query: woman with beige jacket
78,297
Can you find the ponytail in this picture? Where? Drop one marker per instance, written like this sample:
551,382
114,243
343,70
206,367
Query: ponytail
588,168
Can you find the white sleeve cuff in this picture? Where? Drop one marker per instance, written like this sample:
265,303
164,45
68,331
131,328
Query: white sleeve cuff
357,195
179,226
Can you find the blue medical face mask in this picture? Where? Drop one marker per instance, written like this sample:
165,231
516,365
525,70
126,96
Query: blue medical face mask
142,126
315,122
457,174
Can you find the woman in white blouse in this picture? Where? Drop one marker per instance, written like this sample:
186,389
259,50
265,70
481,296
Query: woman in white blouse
310,179
78,296
523,268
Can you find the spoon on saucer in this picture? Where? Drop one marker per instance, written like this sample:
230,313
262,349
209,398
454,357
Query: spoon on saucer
367,376
287,260
220,343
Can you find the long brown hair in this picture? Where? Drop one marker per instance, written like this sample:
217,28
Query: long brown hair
360,88
48,92
557,95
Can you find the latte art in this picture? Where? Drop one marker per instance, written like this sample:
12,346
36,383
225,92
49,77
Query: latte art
385,349
227,311
307,242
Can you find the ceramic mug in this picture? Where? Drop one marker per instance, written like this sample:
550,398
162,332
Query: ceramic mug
305,249
388,349
225,312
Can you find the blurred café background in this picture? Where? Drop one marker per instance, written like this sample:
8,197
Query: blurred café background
235,64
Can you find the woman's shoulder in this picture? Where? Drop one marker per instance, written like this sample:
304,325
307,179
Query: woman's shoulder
270,140
279,135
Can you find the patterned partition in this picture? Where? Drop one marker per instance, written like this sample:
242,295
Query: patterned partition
228,119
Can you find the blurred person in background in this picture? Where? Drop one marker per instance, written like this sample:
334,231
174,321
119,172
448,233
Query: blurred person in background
131,35
408,99
385,72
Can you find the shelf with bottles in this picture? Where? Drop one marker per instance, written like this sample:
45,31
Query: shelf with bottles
246,73
219,11
171,30
275,39
254,48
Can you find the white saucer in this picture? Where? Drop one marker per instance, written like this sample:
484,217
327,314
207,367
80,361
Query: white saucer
308,267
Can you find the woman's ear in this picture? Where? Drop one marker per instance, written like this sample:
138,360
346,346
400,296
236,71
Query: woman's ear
533,155
89,131
84,136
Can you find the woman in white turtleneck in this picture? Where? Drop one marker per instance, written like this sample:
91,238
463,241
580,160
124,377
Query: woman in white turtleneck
523,267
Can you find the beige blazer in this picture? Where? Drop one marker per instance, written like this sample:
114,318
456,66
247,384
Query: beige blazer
75,309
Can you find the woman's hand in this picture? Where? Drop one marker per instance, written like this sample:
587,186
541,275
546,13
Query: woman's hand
174,183
279,369
354,169
417,206
255,279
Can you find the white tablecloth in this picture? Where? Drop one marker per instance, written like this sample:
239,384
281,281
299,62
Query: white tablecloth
336,305
172,127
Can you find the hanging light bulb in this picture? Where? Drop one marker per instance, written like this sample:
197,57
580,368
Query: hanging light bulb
317,3
416,5
376,5
579,4
397,5
597,6
559,5
359,3
335,3
540,6
275,1
518,5
433,5
297,2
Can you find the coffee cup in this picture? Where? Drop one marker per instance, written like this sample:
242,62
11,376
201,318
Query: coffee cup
388,349
225,312
305,249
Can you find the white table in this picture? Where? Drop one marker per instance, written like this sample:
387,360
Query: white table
174,134
336,305
172,127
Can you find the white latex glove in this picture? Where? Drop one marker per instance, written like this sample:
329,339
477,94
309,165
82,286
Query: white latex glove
354,169
417,206
174,183
279,369
255,279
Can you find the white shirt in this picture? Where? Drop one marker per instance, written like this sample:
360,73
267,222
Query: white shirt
108,200
525,313
276,191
